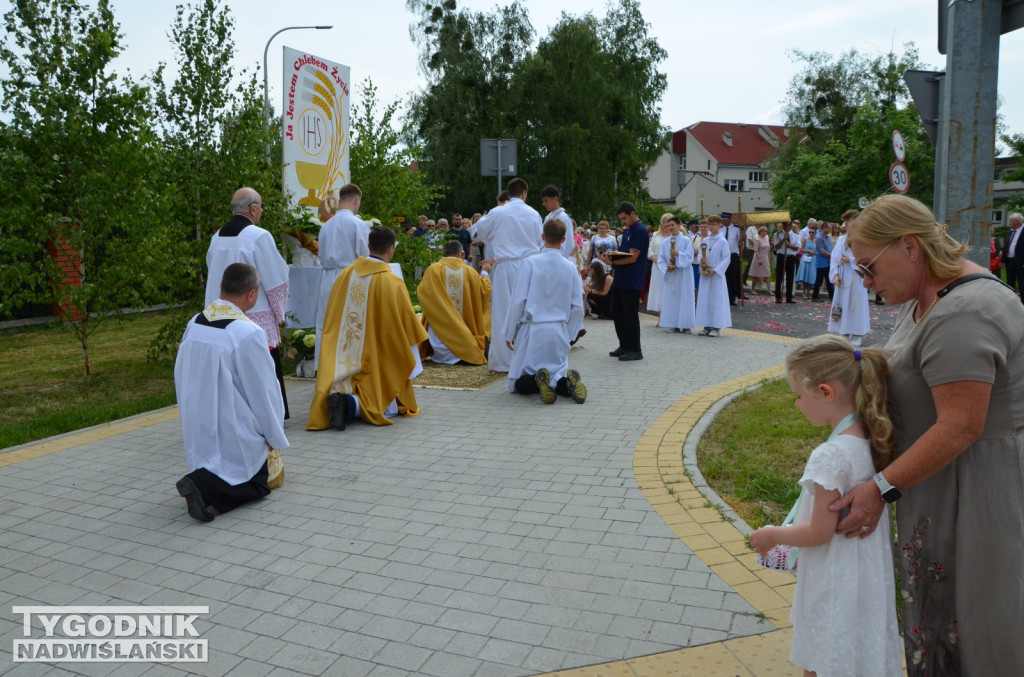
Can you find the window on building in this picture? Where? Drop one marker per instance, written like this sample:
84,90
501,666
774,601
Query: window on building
733,185
759,177
682,161
997,217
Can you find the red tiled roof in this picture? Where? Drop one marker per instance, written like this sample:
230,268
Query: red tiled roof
748,146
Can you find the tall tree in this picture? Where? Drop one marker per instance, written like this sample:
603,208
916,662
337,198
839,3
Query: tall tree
468,60
215,137
583,129
844,111
637,87
80,160
382,165
583,106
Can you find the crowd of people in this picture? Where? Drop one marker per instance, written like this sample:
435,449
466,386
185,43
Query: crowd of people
937,440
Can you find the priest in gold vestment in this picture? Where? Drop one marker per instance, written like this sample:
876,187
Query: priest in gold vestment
369,350
456,303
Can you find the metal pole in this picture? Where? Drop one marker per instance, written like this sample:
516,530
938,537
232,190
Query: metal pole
965,161
267,111
499,167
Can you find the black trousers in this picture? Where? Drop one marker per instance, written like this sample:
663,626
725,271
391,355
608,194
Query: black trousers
822,276
732,278
225,497
275,353
784,266
527,385
626,313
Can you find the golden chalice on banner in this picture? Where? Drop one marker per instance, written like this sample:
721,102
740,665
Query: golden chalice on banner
312,177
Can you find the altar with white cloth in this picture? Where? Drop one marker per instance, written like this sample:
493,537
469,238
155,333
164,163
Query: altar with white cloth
303,295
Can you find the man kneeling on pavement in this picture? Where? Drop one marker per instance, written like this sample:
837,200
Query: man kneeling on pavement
230,401
545,319
369,352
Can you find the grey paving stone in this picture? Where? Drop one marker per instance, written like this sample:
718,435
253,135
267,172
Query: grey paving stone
494,556
450,665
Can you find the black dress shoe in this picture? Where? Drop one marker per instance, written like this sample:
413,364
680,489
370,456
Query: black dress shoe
617,352
629,357
342,408
790,301
778,300
194,498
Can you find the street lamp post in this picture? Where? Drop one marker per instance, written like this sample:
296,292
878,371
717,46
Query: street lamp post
266,80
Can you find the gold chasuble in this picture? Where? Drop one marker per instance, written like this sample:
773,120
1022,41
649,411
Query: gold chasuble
456,304
370,332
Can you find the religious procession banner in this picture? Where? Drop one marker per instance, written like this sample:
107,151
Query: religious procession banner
315,126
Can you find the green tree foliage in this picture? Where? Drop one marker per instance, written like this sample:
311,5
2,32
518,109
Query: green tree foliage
382,165
468,60
215,139
587,131
1015,144
583,106
843,112
79,163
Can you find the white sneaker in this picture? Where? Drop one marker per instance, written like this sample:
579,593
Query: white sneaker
705,331
856,340
714,333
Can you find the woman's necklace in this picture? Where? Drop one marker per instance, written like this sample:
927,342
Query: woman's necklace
919,321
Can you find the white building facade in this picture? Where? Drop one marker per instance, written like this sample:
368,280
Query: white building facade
715,167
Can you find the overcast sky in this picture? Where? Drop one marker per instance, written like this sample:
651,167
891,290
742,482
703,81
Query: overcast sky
727,61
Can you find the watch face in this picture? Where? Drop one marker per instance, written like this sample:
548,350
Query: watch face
891,495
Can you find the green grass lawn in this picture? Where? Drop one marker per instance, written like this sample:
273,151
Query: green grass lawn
44,392
755,451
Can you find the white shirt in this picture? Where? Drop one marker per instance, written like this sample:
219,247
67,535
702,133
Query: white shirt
731,233
569,246
229,398
512,231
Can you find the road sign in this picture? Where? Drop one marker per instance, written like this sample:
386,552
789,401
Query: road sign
899,177
898,146
498,157
926,88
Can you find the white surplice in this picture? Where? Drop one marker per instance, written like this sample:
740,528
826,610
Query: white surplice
713,299
255,246
510,233
677,309
344,238
569,246
545,314
851,295
228,395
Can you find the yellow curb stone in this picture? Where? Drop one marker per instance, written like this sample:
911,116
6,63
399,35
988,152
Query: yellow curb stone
735,574
705,515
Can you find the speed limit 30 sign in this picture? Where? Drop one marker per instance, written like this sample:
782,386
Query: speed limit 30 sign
899,177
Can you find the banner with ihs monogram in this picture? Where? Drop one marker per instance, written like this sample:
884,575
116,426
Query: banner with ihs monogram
315,126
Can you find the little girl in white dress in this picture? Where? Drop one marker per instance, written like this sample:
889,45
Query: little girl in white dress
844,613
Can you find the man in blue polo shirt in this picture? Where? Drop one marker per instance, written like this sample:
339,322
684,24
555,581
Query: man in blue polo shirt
630,269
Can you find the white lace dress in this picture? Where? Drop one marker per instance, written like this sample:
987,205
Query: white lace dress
844,612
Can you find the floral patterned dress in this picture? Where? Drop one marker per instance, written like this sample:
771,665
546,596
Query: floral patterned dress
961,531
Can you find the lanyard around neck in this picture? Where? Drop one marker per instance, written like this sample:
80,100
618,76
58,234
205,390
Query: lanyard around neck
847,421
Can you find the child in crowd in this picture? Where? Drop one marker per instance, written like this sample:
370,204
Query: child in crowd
712,310
844,616
674,257
545,318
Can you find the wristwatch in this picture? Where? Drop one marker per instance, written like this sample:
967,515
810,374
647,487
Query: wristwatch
890,494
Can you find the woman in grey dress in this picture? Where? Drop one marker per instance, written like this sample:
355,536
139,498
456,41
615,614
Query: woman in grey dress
956,394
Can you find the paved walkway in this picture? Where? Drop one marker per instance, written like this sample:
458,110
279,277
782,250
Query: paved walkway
492,535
